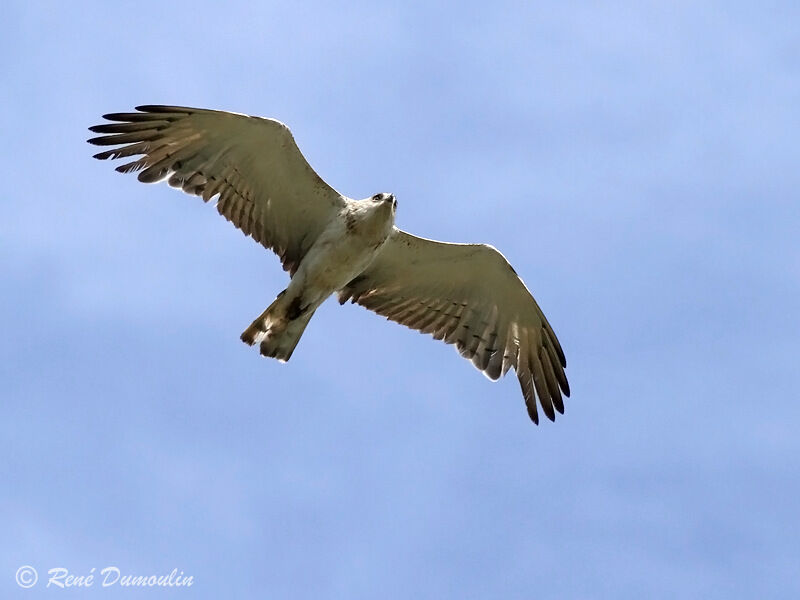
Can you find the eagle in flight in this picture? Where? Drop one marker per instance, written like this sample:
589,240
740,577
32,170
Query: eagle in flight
463,294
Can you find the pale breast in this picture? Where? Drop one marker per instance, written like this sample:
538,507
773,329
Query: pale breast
342,251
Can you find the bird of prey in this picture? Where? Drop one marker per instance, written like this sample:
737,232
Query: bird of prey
463,294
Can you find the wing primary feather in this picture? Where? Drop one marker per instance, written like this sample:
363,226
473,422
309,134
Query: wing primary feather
550,379
552,335
541,386
527,392
129,127
558,370
126,138
140,117
160,108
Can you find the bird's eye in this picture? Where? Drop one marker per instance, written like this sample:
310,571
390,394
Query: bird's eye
376,197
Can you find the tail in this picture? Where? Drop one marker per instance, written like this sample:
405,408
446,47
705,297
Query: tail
279,328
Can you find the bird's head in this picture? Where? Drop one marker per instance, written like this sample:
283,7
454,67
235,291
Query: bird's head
387,199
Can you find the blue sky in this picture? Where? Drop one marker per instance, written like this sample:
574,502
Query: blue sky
635,161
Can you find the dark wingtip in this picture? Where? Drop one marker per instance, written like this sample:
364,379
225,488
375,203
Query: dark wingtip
118,116
532,412
163,108
122,117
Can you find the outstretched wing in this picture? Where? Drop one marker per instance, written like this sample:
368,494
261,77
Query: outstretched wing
470,296
265,186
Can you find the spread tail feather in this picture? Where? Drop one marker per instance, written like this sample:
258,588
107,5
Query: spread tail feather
282,343
278,329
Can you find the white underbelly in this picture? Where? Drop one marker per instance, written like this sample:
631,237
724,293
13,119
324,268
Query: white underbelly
332,267
333,261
